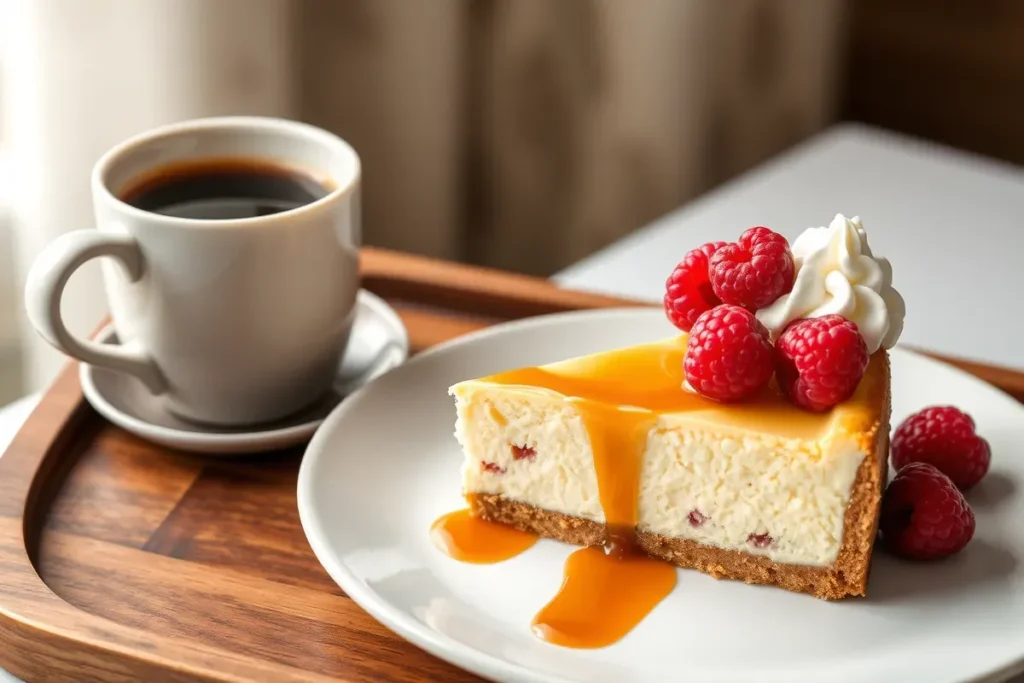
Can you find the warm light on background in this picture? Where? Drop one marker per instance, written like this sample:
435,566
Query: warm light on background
523,135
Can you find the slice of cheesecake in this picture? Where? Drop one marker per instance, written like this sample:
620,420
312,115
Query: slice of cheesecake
614,447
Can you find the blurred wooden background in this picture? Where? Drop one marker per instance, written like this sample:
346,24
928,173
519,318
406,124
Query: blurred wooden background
950,71
522,134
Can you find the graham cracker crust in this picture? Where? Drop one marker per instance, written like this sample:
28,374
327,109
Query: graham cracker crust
847,576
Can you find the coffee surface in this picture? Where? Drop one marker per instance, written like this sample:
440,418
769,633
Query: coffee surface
222,189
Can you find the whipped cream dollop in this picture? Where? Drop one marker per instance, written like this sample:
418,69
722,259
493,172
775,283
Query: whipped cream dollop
837,273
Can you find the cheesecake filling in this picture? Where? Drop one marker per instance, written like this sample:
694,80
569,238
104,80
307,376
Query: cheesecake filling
779,497
783,499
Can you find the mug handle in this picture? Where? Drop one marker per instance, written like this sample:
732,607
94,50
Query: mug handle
45,284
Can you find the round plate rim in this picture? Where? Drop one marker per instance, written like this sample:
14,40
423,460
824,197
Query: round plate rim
445,647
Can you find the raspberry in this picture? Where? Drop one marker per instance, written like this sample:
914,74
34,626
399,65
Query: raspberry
696,518
760,540
753,272
729,355
819,361
688,291
943,436
924,516
523,452
492,467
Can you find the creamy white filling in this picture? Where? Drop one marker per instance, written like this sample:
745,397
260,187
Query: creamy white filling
563,480
782,498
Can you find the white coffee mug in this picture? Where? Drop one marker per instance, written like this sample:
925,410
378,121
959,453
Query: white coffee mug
231,322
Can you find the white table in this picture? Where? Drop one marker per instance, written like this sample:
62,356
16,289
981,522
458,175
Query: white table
951,224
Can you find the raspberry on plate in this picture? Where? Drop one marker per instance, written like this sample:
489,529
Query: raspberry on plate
754,271
819,361
729,354
943,436
924,516
688,291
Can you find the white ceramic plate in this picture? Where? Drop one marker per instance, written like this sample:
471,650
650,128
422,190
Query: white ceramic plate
385,464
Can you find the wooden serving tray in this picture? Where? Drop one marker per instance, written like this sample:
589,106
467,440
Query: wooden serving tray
125,561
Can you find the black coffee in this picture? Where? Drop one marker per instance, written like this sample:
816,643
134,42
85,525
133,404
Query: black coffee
222,189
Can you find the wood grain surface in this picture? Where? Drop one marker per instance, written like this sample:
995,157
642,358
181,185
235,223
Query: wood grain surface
124,561
939,69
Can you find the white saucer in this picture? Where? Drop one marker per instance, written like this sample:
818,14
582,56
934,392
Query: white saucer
385,464
379,343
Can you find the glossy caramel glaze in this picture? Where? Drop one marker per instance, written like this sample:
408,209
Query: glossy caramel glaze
466,538
650,377
603,597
